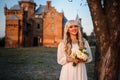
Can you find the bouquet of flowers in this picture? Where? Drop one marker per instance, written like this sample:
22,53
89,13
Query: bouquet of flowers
80,54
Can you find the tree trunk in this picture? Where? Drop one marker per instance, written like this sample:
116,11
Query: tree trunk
106,20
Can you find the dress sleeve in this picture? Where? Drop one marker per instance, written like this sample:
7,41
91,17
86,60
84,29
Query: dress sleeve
88,49
61,57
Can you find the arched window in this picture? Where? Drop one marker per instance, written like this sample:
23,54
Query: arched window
52,27
52,15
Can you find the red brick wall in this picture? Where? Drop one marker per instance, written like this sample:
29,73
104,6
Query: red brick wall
12,30
51,38
15,36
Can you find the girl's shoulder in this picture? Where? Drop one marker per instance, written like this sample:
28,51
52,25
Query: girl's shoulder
61,43
84,40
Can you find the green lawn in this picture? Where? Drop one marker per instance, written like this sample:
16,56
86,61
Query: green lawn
36,63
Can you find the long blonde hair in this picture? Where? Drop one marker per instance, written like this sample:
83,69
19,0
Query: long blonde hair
67,40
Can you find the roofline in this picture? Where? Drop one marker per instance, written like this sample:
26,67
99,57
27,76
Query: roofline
27,2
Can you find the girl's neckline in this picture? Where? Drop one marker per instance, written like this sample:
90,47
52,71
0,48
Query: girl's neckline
74,41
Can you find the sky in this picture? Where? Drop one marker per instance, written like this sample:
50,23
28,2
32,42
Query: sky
71,9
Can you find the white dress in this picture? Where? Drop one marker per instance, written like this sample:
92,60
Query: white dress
68,71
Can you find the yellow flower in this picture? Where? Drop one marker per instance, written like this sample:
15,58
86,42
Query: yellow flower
84,50
81,54
73,55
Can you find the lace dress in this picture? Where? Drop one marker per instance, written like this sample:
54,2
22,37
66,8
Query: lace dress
68,71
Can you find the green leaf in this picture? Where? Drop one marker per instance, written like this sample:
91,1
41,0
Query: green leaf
86,53
80,49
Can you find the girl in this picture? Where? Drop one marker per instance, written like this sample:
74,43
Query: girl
71,42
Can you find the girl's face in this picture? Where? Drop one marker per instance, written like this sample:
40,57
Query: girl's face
73,29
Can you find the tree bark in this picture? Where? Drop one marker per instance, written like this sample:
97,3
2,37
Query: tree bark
106,20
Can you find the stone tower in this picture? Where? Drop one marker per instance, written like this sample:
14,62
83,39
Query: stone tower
28,6
15,22
13,33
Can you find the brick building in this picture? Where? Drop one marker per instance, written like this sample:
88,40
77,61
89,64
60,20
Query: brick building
27,26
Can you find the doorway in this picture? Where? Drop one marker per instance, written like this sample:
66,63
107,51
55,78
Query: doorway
35,41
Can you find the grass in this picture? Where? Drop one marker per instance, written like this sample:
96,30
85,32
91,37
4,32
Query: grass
34,63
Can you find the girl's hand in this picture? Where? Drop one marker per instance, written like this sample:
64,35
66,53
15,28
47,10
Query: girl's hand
76,61
69,59
81,60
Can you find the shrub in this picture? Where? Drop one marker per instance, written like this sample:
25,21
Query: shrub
2,42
